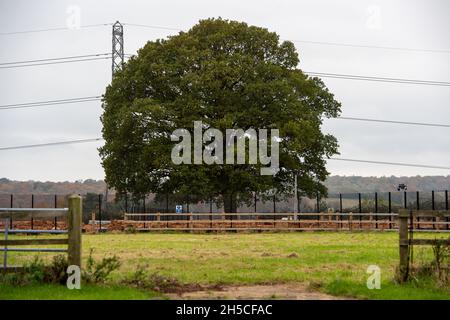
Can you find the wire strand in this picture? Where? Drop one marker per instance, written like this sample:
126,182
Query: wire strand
55,29
395,122
377,79
392,163
50,144
340,44
58,58
54,62
49,102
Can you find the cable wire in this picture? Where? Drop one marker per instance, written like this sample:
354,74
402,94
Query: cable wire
340,44
58,58
396,122
49,102
377,79
54,62
50,144
392,163
54,29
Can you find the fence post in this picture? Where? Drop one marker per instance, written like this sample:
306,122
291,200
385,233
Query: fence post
11,205
359,208
56,206
93,221
74,229
376,210
191,221
433,208
418,208
350,221
446,206
405,200
390,210
403,244
32,206
100,212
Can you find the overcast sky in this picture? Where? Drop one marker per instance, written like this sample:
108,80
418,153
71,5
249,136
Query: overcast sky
409,24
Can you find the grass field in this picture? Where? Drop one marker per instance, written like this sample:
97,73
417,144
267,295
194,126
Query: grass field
333,263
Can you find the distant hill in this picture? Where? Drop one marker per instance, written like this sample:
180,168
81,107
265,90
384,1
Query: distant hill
38,187
335,184
345,184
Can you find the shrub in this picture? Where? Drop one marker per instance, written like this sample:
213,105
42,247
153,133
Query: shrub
99,271
37,271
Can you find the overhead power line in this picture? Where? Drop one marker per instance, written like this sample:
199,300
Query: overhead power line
52,62
337,159
396,122
392,163
339,44
151,27
49,144
55,59
55,29
368,78
377,79
49,102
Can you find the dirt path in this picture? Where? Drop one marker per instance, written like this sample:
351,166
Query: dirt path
292,291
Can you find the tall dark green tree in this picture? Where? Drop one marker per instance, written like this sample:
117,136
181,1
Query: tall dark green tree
228,75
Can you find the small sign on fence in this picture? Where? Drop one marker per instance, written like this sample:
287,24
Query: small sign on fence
179,208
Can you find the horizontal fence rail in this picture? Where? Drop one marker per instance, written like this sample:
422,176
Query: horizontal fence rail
102,212
73,240
332,221
406,236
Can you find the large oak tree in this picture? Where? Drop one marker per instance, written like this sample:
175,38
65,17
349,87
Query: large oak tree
226,74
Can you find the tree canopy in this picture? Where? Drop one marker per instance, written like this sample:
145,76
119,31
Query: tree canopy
226,74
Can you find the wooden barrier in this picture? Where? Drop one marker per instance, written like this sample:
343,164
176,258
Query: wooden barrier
276,221
406,241
73,241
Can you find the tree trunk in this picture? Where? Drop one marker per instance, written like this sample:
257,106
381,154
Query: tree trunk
230,204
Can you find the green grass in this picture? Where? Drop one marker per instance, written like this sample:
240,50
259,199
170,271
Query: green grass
334,263
58,292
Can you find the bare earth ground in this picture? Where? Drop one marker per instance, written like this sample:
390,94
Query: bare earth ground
290,291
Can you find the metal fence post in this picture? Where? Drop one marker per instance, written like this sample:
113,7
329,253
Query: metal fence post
376,210
100,212
56,206
390,210
187,203
418,208
210,211
446,205
11,205
32,206
405,200
360,208
5,253
340,208
74,230
403,244
167,203
318,203
433,208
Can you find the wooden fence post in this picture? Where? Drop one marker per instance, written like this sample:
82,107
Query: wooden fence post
74,230
403,244
350,221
